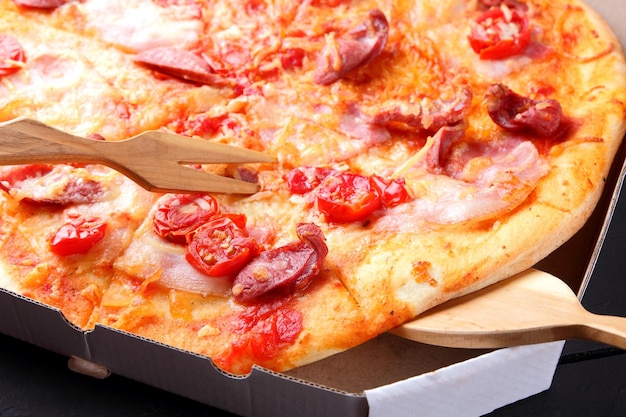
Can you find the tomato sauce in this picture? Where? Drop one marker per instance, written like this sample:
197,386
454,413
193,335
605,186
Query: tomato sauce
261,331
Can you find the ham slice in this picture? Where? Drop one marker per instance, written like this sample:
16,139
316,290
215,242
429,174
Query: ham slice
426,114
481,187
151,258
145,24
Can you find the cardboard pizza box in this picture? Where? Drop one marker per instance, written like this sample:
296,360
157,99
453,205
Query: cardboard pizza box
388,376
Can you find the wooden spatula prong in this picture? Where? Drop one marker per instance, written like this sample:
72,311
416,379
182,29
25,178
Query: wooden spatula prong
192,150
154,159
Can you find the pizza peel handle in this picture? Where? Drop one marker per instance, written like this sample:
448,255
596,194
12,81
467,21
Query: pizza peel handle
153,159
531,307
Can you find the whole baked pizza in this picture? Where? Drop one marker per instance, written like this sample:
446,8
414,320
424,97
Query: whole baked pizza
424,149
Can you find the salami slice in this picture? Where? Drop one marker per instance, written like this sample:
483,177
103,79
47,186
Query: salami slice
40,4
358,47
180,64
512,111
285,269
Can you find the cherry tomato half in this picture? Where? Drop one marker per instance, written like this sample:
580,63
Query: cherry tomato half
347,197
292,58
237,218
78,235
499,33
220,248
392,192
11,55
179,214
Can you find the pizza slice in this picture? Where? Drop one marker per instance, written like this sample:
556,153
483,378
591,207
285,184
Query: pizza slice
174,284
63,228
65,224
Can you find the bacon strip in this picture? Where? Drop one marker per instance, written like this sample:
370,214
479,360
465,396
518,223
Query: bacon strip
427,115
514,112
139,25
357,125
153,259
472,192
285,269
341,55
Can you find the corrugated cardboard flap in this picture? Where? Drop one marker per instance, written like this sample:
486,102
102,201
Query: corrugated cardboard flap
40,325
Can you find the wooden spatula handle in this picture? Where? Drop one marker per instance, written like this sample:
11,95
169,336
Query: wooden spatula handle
606,329
24,141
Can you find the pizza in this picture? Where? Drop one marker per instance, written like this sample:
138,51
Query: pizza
424,150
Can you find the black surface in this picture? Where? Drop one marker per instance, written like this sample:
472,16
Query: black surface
590,379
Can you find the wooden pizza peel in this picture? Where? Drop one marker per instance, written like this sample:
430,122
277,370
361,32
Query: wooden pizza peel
531,307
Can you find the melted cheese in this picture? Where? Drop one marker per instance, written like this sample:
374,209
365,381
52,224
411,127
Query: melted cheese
143,24
82,86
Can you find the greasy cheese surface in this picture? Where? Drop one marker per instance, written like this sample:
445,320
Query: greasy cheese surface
466,226
84,87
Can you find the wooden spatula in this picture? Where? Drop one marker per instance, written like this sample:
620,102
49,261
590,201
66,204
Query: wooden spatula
154,159
531,307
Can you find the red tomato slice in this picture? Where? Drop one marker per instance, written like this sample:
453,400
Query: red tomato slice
220,248
392,192
347,197
179,214
292,58
237,218
78,236
499,33
12,55
301,180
